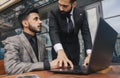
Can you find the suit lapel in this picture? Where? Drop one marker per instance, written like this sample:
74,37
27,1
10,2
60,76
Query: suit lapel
40,49
28,47
75,16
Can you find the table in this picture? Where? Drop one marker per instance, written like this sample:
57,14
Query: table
112,72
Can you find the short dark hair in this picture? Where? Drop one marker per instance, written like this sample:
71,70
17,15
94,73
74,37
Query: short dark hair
25,12
71,1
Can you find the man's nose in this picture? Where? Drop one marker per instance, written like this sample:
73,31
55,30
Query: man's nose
61,8
40,21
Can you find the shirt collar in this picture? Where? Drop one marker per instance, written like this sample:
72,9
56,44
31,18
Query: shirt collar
29,36
71,13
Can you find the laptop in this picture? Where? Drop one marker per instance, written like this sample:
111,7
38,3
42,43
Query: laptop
102,51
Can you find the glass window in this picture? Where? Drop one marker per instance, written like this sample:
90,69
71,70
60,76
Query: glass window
115,23
92,23
93,12
111,13
46,39
111,8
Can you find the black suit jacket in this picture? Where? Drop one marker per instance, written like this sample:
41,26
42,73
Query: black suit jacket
59,34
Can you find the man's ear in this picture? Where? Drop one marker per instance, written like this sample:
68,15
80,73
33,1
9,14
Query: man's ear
25,23
74,4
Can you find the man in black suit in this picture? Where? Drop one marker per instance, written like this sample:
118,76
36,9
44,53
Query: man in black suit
64,25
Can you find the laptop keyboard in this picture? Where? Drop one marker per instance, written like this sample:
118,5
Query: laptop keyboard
75,70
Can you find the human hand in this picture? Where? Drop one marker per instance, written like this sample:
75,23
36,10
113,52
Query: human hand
86,61
54,64
62,59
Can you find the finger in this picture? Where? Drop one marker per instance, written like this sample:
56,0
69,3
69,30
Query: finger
85,64
60,63
70,63
65,63
57,62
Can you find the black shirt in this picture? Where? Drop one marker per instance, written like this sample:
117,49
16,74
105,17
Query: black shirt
33,42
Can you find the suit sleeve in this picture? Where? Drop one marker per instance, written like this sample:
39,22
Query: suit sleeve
53,28
46,61
13,63
86,33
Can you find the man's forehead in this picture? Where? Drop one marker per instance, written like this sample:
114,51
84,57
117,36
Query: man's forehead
64,2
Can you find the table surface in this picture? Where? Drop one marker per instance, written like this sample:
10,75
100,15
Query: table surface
112,71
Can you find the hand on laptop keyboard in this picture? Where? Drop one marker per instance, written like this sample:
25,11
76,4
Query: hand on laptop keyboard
63,60
86,61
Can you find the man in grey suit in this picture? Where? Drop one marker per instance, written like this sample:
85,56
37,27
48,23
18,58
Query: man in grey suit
64,25
25,52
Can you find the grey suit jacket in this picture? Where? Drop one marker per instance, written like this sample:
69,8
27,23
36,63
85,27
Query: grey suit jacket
20,57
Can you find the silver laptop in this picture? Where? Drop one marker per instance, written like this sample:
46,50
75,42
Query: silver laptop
102,51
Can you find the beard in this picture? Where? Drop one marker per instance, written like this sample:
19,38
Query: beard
65,13
31,28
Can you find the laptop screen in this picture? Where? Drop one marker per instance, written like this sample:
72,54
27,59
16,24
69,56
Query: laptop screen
103,46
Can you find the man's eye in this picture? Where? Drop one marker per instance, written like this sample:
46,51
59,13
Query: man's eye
36,19
64,5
